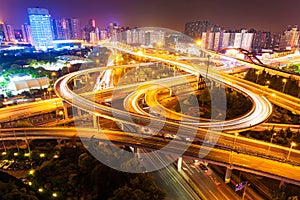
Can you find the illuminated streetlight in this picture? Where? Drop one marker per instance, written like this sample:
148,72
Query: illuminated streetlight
31,172
159,44
233,146
208,56
284,83
274,134
68,67
140,53
61,114
267,83
54,194
41,190
49,90
199,42
235,134
293,144
42,155
55,156
257,73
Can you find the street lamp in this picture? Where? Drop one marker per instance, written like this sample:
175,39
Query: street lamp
284,83
68,66
49,90
267,83
274,134
235,134
257,73
199,42
61,114
233,147
293,144
208,56
53,74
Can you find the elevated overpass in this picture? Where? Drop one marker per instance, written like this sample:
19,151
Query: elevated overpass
232,156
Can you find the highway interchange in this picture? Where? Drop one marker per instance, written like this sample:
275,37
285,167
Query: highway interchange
204,140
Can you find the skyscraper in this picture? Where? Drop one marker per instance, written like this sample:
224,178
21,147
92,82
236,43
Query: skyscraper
26,30
75,30
195,29
7,32
40,24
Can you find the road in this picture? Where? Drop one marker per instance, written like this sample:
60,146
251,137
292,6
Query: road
252,163
30,109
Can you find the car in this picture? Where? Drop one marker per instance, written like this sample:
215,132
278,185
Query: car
7,164
215,180
203,167
3,163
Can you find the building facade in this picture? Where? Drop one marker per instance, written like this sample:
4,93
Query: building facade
40,24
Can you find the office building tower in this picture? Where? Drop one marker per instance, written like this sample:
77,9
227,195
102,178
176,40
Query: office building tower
26,32
195,29
40,24
75,29
7,32
103,34
290,38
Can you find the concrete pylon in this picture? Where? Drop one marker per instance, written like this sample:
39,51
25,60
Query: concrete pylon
95,121
79,112
198,80
179,164
65,107
228,174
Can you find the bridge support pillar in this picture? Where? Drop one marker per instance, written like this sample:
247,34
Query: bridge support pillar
79,112
136,152
59,143
179,164
228,174
95,121
198,80
282,185
75,82
65,107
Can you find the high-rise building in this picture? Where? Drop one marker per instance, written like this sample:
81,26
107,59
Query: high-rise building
40,24
89,30
26,32
261,41
219,40
11,34
61,30
195,29
103,34
75,29
66,29
7,32
290,38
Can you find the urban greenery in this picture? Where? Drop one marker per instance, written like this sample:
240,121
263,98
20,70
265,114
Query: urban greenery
78,175
291,86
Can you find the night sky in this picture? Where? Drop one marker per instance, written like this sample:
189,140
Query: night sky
269,15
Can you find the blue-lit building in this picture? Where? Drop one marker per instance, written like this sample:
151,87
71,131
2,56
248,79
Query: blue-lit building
40,24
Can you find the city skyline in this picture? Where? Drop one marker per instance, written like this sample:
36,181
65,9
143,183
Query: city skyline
268,16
